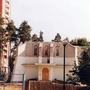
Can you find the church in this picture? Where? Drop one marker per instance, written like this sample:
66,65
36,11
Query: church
39,60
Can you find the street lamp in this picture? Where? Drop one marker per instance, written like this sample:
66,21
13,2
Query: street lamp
64,54
23,82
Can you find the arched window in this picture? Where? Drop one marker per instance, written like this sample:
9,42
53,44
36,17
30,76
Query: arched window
35,50
57,50
46,51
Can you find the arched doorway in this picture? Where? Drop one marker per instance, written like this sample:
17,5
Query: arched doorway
45,74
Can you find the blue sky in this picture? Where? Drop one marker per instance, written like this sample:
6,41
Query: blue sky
70,18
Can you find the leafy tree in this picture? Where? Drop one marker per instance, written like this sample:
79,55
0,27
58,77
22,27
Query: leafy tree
16,37
73,77
82,72
35,38
84,67
80,42
24,32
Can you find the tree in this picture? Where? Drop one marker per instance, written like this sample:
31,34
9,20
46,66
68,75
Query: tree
84,67
16,36
83,70
73,77
35,38
80,42
24,32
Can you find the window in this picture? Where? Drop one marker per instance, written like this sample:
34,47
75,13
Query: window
7,1
48,60
5,45
5,56
7,7
35,50
46,51
57,50
6,12
3,69
5,50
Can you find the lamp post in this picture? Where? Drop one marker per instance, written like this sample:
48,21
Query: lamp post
23,82
64,54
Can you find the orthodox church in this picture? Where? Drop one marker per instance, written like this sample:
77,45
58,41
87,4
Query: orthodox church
39,60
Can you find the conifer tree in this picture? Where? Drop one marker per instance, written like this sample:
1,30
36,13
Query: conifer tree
81,73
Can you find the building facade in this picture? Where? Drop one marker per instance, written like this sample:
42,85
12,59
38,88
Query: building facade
5,14
5,10
44,60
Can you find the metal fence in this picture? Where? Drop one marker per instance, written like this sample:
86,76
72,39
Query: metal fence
43,85
15,84
19,78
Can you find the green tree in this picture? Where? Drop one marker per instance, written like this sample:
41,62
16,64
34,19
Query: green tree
80,42
73,77
82,72
84,67
16,36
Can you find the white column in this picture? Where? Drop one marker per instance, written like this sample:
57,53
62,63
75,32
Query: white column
51,73
39,73
76,58
51,53
40,52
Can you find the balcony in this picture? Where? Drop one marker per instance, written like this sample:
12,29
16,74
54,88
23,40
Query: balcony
46,61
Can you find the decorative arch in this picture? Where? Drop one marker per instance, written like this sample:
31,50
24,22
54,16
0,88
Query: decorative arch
45,74
36,50
57,53
46,51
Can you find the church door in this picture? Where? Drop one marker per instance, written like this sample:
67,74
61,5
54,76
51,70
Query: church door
45,74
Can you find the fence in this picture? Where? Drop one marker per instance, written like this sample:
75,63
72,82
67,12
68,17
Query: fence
11,86
15,83
41,85
19,78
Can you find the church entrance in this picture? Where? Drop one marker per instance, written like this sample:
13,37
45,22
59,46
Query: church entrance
45,74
